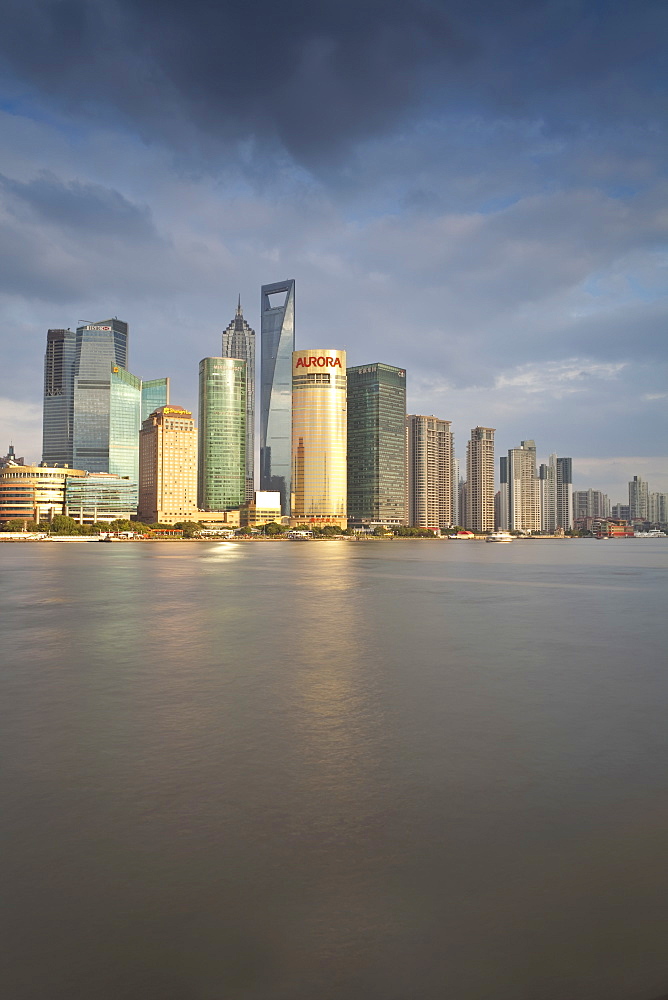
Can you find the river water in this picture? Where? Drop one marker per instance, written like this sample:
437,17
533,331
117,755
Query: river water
398,770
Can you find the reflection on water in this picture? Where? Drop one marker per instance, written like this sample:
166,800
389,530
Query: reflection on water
334,770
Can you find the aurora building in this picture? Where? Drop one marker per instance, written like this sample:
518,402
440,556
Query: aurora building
319,431
221,480
239,342
377,444
277,345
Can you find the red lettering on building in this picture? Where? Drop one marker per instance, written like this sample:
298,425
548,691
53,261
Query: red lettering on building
314,362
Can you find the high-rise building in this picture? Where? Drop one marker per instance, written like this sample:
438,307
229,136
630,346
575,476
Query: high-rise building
523,488
456,506
58,412
480,480
129,398
99,348
168,467
221,481
319,430
377,444
547,489
239,342
277,345
430,458
658,508
590,503
501,515
639,498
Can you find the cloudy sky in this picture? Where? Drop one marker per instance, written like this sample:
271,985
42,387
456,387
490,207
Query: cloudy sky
474,190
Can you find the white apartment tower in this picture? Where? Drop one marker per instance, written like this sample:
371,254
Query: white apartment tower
523,488
480,480
430,460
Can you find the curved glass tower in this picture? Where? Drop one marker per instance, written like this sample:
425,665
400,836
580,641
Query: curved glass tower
278,343
221,480
319,436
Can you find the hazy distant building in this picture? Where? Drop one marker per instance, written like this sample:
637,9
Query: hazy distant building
10,458
377,444
277,345
590,503
168,467
239,342
58,408
480,480
639,498
658,508
523,488
621,512
555,497
222,434
319,433
430,471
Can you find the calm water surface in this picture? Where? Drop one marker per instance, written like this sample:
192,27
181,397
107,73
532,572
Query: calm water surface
393,771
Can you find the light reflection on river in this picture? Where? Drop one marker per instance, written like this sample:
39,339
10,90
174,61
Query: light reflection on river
284,771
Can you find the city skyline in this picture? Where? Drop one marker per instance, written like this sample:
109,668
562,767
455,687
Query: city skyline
489,222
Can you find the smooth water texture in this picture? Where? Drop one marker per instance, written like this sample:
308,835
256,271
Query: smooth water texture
299,771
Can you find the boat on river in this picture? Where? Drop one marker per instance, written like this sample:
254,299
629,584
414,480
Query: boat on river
500,536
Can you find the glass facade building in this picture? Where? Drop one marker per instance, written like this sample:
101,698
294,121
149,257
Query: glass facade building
319,432
99,347
154,394
58,411
221,481
130,397
239,342
100,497
277,345
377,444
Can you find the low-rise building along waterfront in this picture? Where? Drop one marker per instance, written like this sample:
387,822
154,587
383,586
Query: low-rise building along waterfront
33,492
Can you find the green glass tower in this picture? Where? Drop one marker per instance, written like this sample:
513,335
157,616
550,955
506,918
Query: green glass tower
377,444
221,479
129,398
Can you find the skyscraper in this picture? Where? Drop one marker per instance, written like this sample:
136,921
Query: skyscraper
480,480
523,488
221,480
503,521
430,471
99,348
239,342
565,493
590,503
58,397
168,466
638,498
277,345
377,444
319,430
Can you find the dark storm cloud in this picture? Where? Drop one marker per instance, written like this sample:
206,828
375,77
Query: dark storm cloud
77,206
318,77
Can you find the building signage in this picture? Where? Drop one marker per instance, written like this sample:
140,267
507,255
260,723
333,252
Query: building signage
318,362
97,328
